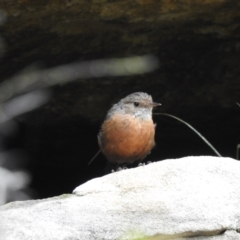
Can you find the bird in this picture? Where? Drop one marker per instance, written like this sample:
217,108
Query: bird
127,133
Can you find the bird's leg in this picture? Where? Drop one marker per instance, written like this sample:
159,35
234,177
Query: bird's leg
120,167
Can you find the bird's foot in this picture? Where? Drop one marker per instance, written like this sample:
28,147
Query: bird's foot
141,164
119,169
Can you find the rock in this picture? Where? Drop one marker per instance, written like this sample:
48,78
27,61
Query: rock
198,50
191,197
196,42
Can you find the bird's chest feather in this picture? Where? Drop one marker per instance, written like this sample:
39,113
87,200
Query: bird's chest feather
128,134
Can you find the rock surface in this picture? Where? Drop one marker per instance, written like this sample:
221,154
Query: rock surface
197,43
195,197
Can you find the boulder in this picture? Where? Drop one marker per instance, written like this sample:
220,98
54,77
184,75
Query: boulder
191,197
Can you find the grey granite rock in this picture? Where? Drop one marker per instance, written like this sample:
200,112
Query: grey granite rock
193,197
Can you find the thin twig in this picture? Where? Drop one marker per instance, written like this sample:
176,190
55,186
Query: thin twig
94,157
191,127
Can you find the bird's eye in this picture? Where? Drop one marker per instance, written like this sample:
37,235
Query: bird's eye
136,104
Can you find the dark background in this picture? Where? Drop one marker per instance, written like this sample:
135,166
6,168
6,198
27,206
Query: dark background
198,47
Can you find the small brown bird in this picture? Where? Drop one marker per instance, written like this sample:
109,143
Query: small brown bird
127,133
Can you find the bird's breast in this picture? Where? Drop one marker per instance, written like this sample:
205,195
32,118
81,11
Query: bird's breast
126,137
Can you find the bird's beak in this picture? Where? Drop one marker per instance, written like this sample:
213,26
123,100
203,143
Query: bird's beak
154,104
